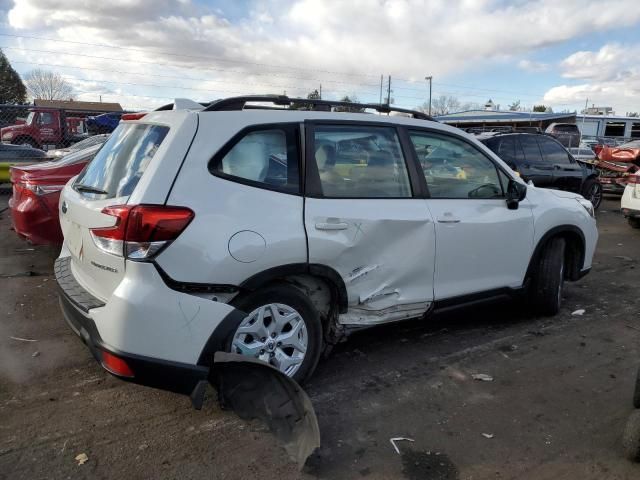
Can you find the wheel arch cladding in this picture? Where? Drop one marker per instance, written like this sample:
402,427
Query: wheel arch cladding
574,250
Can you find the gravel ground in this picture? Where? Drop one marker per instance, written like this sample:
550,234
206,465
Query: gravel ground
559,398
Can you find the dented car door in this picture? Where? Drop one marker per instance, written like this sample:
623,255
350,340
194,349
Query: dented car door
363,220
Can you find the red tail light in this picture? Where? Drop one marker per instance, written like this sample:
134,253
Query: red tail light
633,179
116,365
133,116
141,231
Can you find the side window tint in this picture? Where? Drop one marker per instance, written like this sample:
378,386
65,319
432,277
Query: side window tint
360,162
553,152
268,157
507,151
531,150
46,118
455,169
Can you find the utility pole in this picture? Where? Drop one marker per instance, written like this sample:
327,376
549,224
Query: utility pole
389,91
320,92
430,78
381,80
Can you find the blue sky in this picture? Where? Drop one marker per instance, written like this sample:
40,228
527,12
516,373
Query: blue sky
143,53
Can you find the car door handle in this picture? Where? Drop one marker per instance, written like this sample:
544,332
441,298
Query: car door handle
332,226
448,220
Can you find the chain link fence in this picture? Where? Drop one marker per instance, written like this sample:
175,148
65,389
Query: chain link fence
32,133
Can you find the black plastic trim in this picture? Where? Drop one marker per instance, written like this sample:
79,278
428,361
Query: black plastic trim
496,294
217,340
276,273
193,287
71,288
559,230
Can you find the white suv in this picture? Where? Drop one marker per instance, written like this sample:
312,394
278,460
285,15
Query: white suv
273,232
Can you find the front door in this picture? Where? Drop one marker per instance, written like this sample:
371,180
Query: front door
481,245
567,173
363,221
534,168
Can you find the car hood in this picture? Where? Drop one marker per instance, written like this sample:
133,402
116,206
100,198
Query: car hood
49,173
563,194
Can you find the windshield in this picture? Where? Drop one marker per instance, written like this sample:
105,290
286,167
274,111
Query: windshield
119,165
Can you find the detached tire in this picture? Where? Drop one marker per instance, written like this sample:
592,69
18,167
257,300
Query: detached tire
281,322
548,280
631,437
592,191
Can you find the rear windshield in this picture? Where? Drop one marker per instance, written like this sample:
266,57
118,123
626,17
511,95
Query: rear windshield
120,163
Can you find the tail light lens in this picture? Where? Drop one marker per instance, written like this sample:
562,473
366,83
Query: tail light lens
41,189
141,231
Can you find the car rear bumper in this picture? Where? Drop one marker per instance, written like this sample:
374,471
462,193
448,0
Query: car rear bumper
34,221
76,304
630,213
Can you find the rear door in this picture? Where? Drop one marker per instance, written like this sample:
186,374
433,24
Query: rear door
364,221
534,168
567,173
108,180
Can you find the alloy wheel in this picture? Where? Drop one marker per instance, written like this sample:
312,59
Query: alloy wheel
274,333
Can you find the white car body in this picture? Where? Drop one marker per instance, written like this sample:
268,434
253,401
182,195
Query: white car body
386,259
630,202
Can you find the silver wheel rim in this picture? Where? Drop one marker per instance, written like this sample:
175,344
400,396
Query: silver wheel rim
274,333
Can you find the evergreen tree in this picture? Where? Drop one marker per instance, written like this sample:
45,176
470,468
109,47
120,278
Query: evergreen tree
12,90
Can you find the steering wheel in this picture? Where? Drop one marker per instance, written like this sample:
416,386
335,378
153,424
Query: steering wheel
486,190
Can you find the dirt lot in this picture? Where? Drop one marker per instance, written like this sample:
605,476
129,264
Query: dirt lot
555,410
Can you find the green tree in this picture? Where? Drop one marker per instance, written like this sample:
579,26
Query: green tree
539,108
314,95
515,106
348,99
12,90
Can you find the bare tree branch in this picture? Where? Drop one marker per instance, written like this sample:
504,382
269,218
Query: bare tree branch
47,85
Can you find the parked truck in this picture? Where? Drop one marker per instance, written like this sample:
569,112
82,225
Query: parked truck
46,128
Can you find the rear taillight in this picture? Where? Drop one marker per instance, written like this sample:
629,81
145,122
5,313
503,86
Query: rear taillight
41,189
141,231
133,116
116,365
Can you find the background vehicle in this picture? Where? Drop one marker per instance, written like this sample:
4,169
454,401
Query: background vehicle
45,127
104,123
81,145
630,202
17,154
617,165
568,134
544,161
192,224
36,192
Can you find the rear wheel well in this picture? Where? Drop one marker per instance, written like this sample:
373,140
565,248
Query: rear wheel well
573,255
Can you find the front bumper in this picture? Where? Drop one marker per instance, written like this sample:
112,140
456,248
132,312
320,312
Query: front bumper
76,303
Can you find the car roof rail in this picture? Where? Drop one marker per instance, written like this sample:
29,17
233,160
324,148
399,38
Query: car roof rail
240,103
182,104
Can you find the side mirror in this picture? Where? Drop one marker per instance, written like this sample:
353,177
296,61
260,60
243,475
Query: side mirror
516,192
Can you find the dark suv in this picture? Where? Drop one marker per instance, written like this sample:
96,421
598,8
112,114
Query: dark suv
544,161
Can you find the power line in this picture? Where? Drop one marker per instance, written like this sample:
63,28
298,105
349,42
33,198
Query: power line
176,77
183,55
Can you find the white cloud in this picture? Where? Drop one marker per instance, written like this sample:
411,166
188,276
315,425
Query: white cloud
532,66
609,76
294,45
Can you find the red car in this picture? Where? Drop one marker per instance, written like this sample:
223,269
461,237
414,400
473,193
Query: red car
36,191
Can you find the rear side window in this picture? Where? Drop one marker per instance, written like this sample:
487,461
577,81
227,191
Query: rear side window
266,157
120,163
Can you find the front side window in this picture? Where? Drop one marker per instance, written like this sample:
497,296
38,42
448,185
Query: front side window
264,158
553,153
120,163
46,118
455,169
360,162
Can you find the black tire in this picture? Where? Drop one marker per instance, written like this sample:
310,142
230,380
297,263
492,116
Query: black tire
548,279
631,437
592,191
635,223
294,298
636,391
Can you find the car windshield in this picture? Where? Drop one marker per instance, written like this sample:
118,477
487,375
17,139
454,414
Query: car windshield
121,162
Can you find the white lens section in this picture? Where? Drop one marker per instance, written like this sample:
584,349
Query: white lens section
143,250
109,245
